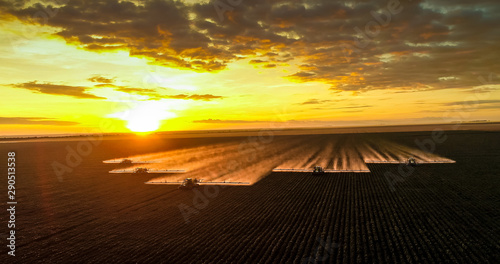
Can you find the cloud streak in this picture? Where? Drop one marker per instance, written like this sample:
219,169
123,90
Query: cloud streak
34,121
202,97
154,94
81,92
57,89
476,102
315,101
219,121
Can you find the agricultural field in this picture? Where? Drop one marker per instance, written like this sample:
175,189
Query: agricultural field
433,213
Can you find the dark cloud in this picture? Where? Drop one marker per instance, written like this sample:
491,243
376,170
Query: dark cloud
302,76
34,121
56,89
155,94
101,79
270,65
203,97
350,45
257,61
481,90
472,105
315,101
462,106
217,121
347,109
160,31
472,102
152,93
348,123
264,63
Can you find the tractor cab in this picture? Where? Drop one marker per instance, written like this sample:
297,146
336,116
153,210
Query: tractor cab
141,170
318,170
411,162
189,183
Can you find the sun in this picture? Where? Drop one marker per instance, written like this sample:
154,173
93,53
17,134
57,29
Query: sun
145,116
143,124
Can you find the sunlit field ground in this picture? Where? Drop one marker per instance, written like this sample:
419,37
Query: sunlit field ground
435,213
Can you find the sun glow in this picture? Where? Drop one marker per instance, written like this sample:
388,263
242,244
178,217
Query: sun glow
143,124
146,116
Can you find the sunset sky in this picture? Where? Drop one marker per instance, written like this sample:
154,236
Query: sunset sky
74,66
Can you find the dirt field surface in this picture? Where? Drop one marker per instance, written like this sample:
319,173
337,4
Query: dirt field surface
431,213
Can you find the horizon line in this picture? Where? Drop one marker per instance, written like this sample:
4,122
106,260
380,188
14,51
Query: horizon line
229,130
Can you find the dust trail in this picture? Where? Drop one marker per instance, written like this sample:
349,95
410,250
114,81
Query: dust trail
384,150
368,153
249,165
253,172
323,156
306,161
337,158
345,156
194,158
308,152
403,152
175,158
420,156
334,152
353,156
313,160
246,154
392,149
268,164
340,158
249,161
379,149
165,155
188,155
